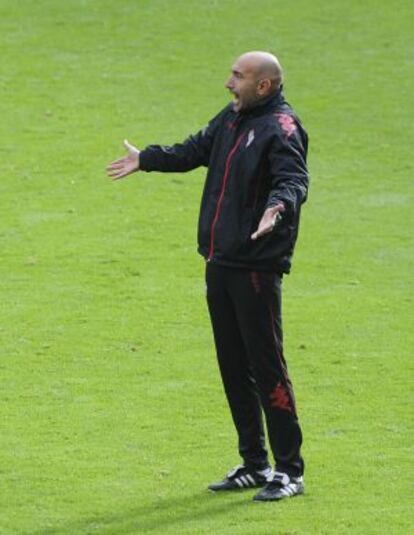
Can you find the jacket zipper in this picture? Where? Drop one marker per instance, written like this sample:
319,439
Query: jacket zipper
220,199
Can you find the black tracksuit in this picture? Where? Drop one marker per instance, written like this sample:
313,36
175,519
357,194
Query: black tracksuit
256,159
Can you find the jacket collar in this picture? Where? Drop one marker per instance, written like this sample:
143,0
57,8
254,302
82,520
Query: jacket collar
264,105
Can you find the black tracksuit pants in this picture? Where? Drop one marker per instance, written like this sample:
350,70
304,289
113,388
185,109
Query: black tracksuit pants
245,311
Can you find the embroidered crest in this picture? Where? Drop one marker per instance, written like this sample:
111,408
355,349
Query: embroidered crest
279,398
254,277
250,138
287,123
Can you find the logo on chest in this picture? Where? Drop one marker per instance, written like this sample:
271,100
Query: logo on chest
250,138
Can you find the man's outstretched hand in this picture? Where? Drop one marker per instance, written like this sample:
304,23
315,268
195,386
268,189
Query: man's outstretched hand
126,165
269,220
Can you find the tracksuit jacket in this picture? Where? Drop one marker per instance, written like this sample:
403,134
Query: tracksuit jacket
256,158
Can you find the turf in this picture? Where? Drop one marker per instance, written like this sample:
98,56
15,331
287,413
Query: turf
113,419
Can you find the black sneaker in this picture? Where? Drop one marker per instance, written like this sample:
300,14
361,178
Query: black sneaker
242,477
281,486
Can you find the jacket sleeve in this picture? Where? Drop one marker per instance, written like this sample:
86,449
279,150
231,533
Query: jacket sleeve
289,174
191,153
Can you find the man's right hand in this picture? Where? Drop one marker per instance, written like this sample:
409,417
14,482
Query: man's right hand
126,165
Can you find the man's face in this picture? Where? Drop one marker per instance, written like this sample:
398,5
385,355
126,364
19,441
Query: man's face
243,85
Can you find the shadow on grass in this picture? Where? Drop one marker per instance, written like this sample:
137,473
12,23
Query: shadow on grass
163,512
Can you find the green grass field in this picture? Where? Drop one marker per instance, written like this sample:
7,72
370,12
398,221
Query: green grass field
113,418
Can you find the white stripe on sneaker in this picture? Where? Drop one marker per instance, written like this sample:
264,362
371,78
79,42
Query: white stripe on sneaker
251,479
240,484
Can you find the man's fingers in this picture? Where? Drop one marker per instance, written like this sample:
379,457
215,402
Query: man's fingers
264,230
117,176
117,163
117,171
114,174
125,165
268,222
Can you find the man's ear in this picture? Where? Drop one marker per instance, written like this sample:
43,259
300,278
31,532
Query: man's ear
263,87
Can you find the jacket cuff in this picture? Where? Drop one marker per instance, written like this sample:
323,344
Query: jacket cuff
144,161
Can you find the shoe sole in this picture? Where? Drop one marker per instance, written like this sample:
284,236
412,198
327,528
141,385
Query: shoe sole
235,489
279,498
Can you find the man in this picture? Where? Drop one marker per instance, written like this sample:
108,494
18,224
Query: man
255,151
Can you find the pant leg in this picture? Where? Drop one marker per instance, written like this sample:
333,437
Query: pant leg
236,373
256,297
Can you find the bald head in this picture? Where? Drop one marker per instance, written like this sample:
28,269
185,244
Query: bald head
254,76
263,65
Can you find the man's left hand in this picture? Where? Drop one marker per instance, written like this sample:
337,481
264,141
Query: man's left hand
269,220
